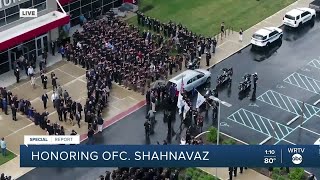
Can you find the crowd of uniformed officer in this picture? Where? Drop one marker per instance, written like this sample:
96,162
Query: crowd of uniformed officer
188,43
121,53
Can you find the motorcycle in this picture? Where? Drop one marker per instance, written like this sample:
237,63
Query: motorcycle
246,84
226,76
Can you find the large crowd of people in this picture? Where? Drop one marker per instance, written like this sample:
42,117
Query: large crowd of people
141,173
111,51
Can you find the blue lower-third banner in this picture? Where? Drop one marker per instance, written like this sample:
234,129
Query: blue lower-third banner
169,156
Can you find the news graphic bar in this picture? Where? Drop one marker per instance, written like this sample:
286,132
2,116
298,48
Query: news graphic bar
170,156
51,140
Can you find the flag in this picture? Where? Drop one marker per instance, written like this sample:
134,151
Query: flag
200,100
180,103
186,109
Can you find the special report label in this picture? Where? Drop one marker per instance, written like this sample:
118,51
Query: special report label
170,156
51,140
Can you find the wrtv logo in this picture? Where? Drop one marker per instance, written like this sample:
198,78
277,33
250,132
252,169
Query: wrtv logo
28,13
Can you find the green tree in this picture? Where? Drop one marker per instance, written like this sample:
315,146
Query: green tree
212,135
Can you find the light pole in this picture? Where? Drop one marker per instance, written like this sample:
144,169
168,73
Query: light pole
219,115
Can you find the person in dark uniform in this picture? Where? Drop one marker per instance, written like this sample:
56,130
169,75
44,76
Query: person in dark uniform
222,29
147,128
235,170
255,80
45,82
44,99
230,173
241,169
60,112
14,112
53,47
208,57
54,82
17,74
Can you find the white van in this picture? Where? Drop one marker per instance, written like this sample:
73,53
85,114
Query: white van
297,17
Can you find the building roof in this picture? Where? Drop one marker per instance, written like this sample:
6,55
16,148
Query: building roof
32,29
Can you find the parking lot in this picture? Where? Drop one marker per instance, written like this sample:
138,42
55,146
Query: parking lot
285,109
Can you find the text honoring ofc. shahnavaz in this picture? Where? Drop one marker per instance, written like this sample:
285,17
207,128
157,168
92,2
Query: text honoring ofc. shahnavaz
120,156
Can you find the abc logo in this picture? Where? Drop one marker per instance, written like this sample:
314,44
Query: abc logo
297,159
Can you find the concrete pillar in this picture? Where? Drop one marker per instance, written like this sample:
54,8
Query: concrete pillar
53,6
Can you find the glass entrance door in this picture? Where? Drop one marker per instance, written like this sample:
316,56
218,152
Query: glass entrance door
41,44
13,59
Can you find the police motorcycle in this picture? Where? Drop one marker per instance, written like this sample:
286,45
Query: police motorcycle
226,76
194,64
246,84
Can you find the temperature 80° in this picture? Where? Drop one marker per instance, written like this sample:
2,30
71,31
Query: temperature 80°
269,160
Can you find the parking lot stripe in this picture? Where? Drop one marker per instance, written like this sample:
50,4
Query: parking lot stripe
310,84
258,123
235,120
296,104
271,128
248,118
276,99
315,63
264,125
309,130
280,130
274,131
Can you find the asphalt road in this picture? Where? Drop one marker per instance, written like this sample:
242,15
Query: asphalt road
284,73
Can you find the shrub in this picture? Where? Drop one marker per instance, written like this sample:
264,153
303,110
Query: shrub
229,142
296,173
212,135
197,174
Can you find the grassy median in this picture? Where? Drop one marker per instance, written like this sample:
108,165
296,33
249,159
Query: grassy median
8,157
205,16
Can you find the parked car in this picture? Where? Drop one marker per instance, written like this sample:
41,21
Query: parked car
266,36
297,17
315,5
191,79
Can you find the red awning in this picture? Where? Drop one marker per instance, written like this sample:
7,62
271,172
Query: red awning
64,2
31,29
